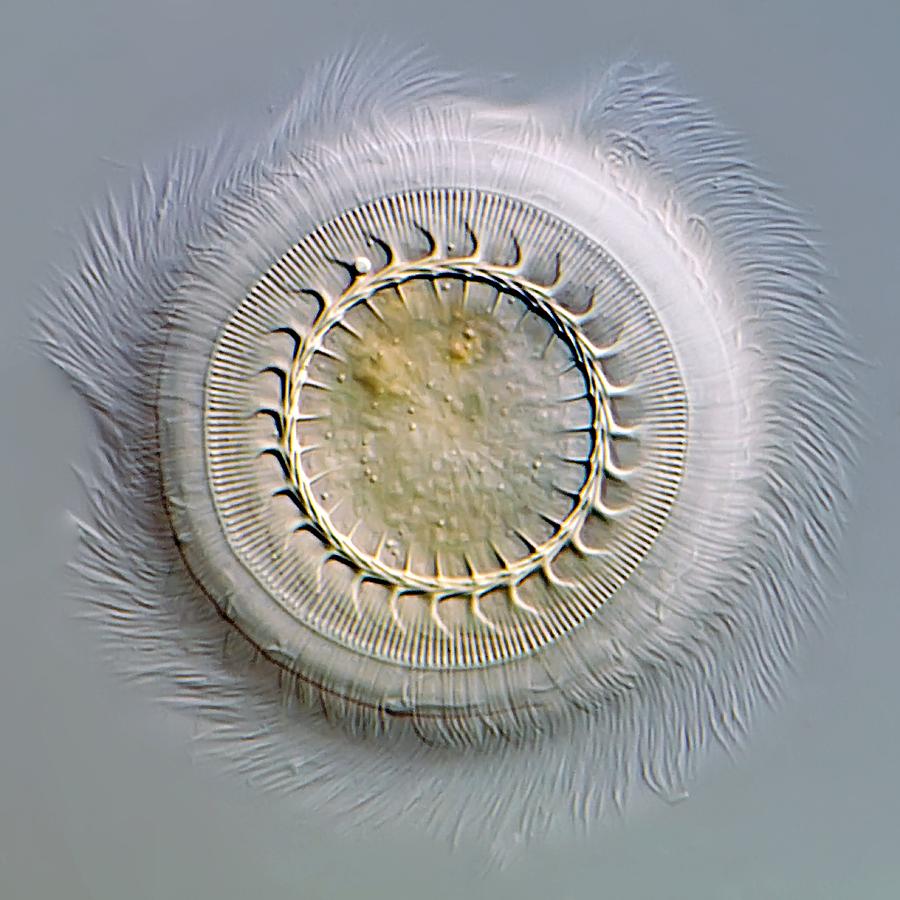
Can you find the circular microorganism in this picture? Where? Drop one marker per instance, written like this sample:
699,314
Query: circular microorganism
460,461
417,467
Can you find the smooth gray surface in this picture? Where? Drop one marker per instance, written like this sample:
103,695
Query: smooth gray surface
94,803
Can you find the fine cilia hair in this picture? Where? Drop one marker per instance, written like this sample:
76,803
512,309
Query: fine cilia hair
471,461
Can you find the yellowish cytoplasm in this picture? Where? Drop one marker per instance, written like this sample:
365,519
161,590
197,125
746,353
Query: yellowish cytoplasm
449,426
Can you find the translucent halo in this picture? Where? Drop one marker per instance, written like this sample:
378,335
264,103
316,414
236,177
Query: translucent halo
241,309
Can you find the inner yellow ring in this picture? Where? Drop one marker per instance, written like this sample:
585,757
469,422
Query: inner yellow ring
478,581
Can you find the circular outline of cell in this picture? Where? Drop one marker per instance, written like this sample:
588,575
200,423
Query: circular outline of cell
593,305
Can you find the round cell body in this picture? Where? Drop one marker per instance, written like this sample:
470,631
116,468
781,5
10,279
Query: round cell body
437,434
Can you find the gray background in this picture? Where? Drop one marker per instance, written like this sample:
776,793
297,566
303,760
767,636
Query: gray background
96,799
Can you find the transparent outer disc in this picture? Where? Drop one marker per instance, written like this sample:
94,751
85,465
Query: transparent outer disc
440,432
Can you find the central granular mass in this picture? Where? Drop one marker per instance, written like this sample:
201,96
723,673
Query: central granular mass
449,431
